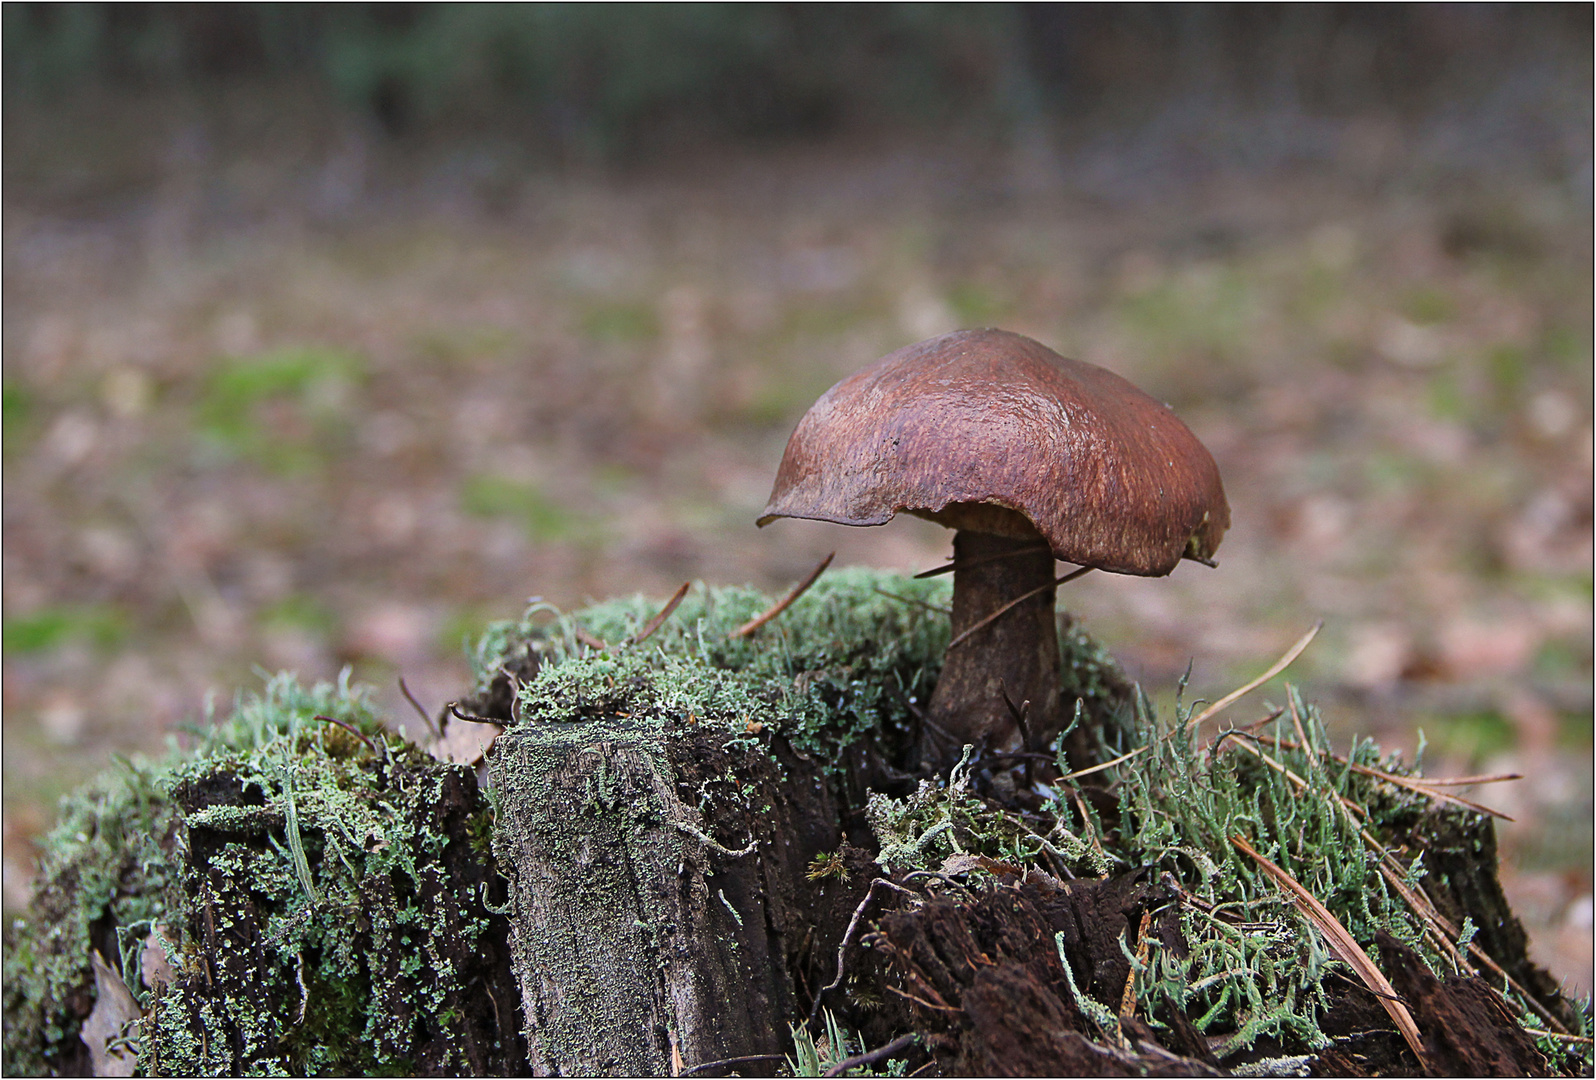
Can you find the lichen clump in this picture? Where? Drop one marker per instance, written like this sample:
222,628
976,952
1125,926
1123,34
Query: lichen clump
1250,968
316,887
857,655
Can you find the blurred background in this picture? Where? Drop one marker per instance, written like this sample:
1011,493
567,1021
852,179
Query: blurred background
332,333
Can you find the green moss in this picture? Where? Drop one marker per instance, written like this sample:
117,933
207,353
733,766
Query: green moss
327,893
853,656
316,883
844,660
103,866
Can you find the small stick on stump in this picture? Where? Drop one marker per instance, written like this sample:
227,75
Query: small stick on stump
892,1049
785,602
664,613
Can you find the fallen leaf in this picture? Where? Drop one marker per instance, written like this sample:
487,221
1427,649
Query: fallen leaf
154,967
114,1010
464,742
960,862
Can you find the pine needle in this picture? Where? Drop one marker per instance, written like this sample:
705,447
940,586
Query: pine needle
664,613
1345,946
1275,669
785,602
1422,785
1017,601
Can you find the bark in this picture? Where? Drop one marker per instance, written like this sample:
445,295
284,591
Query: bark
647,936
991,993
1016,655
1460,853
1468,1030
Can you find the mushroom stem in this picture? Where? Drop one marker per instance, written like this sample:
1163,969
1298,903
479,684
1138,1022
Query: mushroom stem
1016,654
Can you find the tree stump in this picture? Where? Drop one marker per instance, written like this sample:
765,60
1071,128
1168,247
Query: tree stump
659,892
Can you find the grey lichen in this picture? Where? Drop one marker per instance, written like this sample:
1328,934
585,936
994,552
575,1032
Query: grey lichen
329,898
316,890
856,655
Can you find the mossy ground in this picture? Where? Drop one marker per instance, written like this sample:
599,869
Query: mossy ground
326,894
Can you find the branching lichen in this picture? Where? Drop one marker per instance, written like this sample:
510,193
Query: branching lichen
1251,966
327,898
317,890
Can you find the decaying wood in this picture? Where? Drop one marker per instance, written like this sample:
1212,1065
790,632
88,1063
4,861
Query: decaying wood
658,907
1466,1027
991,990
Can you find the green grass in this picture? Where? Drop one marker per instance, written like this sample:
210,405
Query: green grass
100,625
282,409
977,304
300,611
1428,305
621,323
1207,310
488,495
16,415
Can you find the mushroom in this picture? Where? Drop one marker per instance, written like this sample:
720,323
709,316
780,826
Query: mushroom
1030,457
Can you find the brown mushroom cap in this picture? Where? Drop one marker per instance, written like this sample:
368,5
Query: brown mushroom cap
988,430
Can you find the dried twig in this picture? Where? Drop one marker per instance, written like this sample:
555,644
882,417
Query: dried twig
1105,765
1441,930
1422,785
1086,822
924,1004
728,1063
425,719
785,602
1017,601
892,1049
1345,946
1020,712
847,939
1127,1000
590,640
1460,781
352,729
664,613
454,711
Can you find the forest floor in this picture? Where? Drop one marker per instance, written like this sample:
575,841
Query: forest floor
281,394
